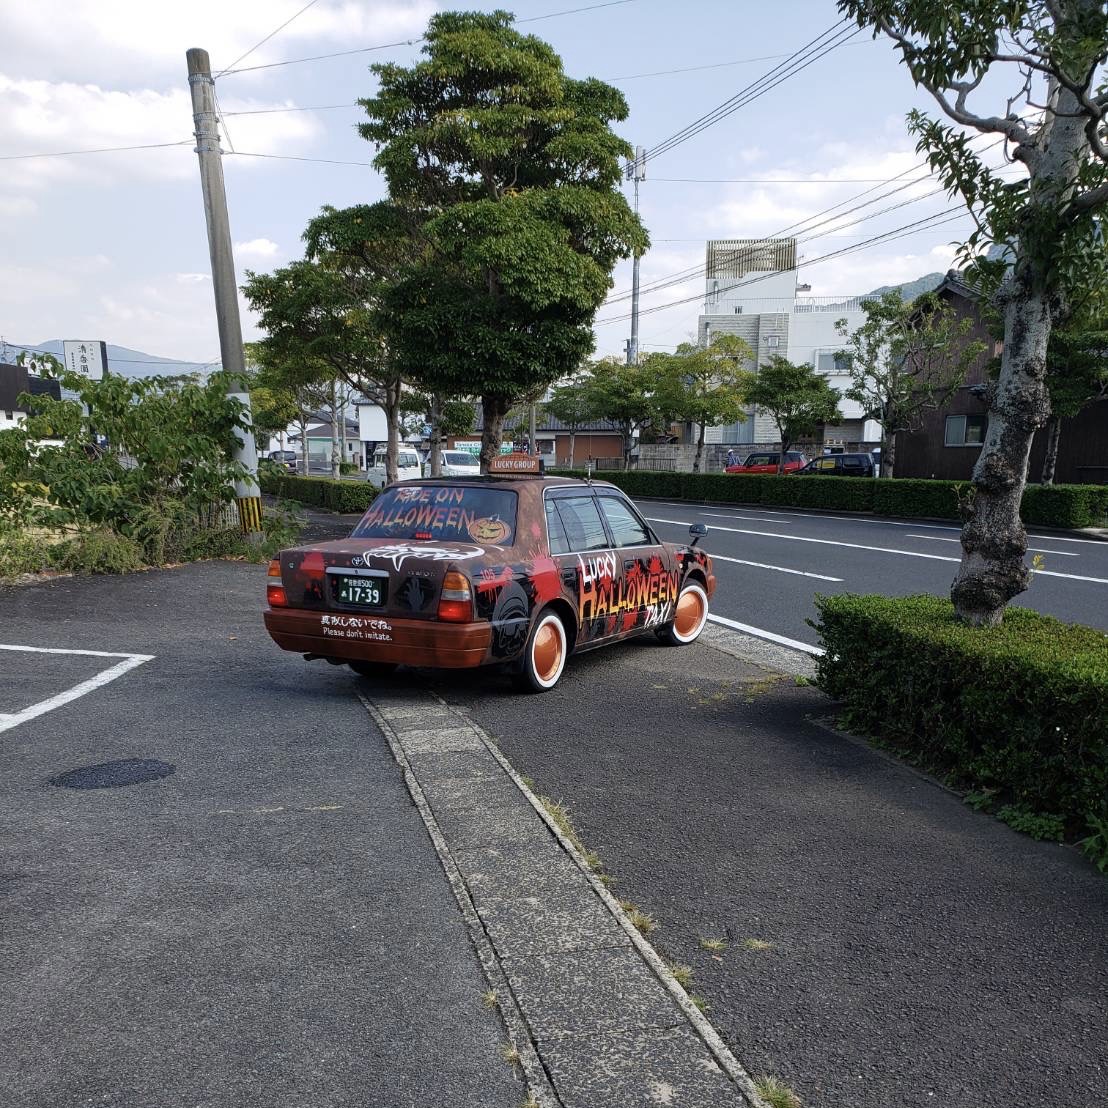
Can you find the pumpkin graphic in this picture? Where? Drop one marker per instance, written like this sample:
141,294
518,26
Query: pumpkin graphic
489,530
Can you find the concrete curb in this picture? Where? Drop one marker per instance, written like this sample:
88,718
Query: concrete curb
708,1034
537,1081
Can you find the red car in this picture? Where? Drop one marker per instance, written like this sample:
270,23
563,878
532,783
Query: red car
516,572
767,463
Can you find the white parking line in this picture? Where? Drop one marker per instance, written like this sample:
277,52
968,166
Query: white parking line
879,549
770,636
129,662
1036,549
779,569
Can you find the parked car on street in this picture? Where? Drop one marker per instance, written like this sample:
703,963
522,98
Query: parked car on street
456,463
286,458
507,571
767,463
408,466
840,465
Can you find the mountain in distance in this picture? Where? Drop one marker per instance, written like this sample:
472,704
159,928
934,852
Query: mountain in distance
121,360
911,289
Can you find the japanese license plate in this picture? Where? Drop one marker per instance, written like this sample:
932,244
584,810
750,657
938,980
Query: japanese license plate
366,592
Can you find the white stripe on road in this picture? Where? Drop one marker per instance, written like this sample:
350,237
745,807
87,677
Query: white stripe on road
129,662
1036,549
878,549
771,636
753,519
779,569
688,505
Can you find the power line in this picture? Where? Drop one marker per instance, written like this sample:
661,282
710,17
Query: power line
267,37
700,68
299,158
95,150
312,108
408,41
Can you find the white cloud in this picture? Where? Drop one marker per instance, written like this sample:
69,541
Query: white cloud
256,248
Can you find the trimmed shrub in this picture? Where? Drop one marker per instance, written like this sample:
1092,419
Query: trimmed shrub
1017,714
1063,505
909,496
320,492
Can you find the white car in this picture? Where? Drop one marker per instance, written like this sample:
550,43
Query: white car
407,467
456,463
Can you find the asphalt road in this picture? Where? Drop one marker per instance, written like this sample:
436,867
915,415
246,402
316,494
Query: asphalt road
268,925
886,945
771,562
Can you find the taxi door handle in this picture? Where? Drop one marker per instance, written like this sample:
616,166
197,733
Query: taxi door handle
630,563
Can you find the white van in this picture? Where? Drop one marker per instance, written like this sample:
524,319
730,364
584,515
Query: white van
456,463
407,467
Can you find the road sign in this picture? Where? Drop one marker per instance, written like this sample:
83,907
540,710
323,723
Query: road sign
89,358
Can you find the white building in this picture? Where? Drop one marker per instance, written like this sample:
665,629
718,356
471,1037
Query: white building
751,291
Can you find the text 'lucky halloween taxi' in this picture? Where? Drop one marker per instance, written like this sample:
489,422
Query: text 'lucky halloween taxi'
512,570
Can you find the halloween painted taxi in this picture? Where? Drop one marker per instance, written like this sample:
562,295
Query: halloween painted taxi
509,570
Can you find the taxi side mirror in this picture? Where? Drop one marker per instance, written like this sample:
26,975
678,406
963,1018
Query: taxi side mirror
698,531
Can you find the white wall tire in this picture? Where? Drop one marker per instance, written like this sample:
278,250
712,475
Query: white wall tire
689,616
544,658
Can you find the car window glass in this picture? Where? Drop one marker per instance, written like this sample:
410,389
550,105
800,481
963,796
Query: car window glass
852,463
627,529
581,519
408,460
445,513
458,458
758,460
559,543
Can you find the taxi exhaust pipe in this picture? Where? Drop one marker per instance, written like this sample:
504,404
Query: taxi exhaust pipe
324,658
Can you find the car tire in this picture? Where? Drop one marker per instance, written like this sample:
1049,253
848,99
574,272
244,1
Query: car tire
372,669
544,657
689,617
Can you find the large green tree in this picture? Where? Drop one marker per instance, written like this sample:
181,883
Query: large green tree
571,403
907,358
508,171
797,397
628,395
1029,72
704,385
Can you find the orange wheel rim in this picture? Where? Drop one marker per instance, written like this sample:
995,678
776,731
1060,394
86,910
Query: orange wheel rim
547,653
690,612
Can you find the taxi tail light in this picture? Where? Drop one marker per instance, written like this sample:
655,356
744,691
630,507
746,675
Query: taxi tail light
456,600
274,590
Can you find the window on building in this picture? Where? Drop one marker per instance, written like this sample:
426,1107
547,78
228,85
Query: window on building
964,430
833,363
738,309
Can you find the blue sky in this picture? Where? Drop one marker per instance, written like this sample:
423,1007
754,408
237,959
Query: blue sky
112,246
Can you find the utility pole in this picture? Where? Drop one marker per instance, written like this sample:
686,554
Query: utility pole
534,444
637,173
248,495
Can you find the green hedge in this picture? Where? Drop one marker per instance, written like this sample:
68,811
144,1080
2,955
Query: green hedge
320,492
1043,505
1018,713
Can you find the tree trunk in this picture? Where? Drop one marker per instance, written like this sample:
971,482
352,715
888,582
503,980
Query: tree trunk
495,408
994,541
785,444
572,436
888,455
342,428
1053,436
628,442
532,433
392,422
436,435
699,450
304,459
334,430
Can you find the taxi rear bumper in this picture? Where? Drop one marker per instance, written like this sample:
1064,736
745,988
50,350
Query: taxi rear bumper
408,642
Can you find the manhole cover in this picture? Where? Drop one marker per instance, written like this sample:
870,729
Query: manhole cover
114,775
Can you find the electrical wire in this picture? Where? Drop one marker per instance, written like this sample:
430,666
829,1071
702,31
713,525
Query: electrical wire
96,150
242,57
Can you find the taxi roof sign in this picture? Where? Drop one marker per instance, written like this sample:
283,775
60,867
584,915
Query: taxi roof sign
516,464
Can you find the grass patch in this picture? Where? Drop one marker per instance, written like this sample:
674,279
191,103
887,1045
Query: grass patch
489,999
757,944
509,1053
682,974
700,1003
559,813
643,922
776,1093
714,946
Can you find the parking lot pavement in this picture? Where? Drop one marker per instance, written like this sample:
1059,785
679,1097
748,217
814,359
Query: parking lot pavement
885,944
264,920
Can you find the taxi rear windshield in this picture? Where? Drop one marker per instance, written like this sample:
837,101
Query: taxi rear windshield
445,513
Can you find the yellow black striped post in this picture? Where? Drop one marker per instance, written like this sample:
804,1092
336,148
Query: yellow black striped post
250,514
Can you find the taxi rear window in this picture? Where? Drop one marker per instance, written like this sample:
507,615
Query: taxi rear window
444,513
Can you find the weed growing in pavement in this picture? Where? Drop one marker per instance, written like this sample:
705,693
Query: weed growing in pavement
489,999
714,946
701,1004
642,921
530,1102
801,681
528,781
755,689
776,1093
559,813
757,944
509,1053
682,974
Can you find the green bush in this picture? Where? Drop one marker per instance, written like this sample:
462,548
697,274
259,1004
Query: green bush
1065,506
100,550
320,492
21,552
1016,713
